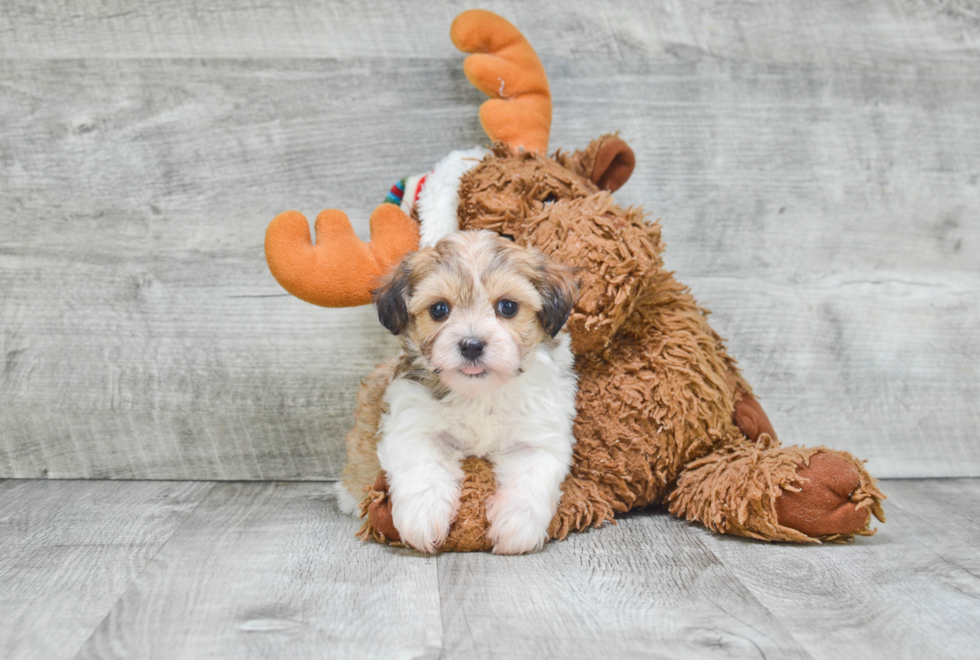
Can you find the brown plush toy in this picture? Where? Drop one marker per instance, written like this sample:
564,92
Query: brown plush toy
664,416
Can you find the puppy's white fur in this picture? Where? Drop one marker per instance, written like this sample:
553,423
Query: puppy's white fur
517,414
524,428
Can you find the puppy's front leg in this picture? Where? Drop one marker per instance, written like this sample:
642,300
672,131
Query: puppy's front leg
424,488
528,489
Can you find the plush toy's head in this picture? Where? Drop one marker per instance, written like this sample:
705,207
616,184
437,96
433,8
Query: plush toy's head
471,310
561,204
555,204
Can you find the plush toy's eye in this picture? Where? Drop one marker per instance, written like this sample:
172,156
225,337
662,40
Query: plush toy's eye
550,199
438,311
507,308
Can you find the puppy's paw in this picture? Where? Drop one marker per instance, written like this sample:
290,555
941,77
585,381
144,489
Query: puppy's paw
516,528
346,502
423,518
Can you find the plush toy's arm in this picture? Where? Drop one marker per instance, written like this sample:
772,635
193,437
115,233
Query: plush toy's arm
340,269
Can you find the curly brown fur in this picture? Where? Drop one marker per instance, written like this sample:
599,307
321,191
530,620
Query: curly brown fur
735,490
662,393
616,249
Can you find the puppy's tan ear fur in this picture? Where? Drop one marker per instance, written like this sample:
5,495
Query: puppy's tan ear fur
559,289
391,298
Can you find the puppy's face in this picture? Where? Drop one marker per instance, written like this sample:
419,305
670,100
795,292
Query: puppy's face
470,309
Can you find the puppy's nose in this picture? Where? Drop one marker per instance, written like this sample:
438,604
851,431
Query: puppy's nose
472,348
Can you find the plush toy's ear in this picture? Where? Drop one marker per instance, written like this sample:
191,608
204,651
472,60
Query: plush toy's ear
559,289
607,162
614,163
391,298
340,269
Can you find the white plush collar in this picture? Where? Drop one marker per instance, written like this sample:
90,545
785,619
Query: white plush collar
438,201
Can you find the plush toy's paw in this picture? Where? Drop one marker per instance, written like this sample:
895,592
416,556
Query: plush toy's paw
379,511
515,527
822,505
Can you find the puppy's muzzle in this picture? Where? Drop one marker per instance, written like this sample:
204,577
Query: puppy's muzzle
471,348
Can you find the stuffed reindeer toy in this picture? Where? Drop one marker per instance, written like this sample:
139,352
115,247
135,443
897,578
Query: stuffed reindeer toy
664,416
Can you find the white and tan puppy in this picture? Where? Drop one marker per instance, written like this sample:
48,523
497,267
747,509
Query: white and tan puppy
485,371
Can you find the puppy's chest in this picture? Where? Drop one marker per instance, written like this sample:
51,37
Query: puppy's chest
475,430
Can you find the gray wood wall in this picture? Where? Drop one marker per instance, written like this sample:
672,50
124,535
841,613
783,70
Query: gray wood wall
816,167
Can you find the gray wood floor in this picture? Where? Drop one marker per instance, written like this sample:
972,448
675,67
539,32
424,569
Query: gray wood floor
117,569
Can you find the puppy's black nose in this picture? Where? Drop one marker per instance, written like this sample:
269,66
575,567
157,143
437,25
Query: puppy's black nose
472,348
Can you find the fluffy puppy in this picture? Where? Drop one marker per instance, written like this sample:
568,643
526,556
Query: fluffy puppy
484,371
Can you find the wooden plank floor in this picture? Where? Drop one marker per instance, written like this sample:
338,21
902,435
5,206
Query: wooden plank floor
97,569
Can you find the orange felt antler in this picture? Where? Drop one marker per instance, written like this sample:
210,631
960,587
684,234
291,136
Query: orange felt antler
507,70
341,269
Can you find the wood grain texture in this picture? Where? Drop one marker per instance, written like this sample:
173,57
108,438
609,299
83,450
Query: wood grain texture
272,570
70,549
911,591
265,570
647,587
835,31
143,334
817,170
951,504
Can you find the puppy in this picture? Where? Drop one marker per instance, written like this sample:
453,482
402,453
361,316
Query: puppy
484,371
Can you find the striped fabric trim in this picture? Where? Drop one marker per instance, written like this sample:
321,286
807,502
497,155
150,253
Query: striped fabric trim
396,193
412,187
434,197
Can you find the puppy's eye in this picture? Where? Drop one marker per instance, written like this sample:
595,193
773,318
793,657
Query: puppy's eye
550,199
507,308
438,311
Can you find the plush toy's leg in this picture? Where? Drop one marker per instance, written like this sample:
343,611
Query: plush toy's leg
764,491
749,416
817,493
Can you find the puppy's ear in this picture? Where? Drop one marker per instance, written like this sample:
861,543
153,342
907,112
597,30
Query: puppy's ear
559,289
391,298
